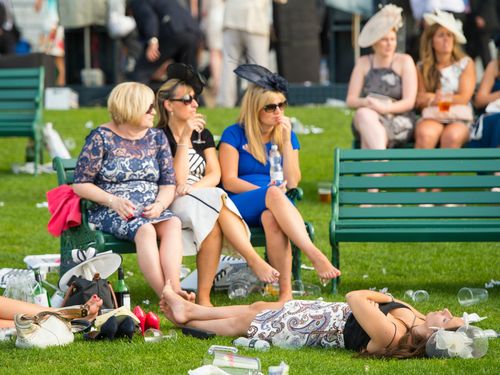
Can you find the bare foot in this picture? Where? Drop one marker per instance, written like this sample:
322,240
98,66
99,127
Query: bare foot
263,270
324,268
188,296
167,311
176,304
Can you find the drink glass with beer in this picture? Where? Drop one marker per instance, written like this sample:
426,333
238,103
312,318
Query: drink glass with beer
445,101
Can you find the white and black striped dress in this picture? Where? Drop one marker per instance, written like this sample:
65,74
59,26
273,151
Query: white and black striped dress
199,210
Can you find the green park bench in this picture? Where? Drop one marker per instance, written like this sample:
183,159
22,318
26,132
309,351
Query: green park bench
21,104
464,210
85,236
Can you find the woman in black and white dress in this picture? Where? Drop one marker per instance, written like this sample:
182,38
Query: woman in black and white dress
209,218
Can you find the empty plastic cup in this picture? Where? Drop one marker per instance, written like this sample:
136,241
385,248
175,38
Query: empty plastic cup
417,295
471,296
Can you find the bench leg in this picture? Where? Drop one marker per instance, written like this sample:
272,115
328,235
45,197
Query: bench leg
336,264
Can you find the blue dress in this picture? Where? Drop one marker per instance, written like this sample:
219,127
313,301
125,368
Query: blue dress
131,169
490,122
251,203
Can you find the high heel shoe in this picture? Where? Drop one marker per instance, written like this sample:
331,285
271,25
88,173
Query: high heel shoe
141,315
126,328
152,321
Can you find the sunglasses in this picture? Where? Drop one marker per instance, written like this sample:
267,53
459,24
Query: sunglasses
186,99
150,109
269,108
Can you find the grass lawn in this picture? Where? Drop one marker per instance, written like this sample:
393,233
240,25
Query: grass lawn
441,269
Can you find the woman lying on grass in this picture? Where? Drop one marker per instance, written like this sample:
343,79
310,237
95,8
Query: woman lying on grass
371,323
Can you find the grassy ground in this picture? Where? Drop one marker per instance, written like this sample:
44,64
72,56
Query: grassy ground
441,269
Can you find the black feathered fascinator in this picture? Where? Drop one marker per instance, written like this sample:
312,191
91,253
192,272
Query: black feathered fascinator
262,77
188,75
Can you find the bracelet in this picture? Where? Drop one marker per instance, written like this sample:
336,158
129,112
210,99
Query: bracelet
161,204
110,200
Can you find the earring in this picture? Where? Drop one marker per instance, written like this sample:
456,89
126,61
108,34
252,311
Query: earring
171,113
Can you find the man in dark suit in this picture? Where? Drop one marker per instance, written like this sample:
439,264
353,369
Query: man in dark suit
169,32
481,24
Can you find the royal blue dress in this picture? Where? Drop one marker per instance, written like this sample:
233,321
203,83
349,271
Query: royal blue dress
131,169
251,203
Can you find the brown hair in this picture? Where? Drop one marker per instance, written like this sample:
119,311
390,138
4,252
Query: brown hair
165,92
428,62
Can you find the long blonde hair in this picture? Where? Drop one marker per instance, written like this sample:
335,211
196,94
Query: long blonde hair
253,101
428,61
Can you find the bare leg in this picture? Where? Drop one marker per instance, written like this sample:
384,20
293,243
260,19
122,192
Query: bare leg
148,257
292,224
11,307
279,253
454,135
61,70
372,132
235,232
207,261
225,320
170,235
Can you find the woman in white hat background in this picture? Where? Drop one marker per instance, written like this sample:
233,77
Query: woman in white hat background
383,84
444,68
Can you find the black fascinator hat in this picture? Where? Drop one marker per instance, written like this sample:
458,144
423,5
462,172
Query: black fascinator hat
262,77
187,74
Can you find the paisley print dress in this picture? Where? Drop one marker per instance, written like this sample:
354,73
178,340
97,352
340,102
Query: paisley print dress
131,169
302,323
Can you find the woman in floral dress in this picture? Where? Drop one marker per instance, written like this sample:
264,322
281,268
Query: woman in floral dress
126,167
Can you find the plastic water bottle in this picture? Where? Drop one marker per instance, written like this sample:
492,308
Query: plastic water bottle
257,344
276,170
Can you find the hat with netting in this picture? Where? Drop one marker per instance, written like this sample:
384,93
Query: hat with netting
465,342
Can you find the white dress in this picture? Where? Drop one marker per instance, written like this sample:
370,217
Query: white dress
199,210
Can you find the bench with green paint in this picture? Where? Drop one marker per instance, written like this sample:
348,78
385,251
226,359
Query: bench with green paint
85,235
21,105
462,207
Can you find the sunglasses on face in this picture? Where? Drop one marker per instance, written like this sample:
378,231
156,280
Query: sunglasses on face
269,108
186,99
150,109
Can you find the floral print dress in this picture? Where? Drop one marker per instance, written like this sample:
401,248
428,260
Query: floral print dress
302,323
131,169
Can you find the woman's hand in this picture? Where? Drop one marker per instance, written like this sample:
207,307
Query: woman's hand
379,106
123,207
282,186
153,210
183,189
195,123
286,128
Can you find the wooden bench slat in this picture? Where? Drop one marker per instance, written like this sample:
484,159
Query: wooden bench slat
423,223
470,197
419,154
418,235
419,212
414,182
18,105
430,166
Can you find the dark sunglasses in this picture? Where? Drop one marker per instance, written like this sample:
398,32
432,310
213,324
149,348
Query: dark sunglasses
186,99
150,109
269,108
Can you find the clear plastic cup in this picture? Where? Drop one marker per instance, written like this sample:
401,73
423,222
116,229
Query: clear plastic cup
472,296
417,295
325,191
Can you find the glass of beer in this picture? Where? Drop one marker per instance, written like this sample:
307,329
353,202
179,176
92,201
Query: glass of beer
445,101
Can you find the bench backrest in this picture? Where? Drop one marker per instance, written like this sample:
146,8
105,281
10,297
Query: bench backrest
469,183
65,169
21,100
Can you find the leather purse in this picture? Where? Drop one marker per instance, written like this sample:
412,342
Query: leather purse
457,112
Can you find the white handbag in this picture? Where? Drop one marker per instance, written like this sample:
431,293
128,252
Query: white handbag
42,330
